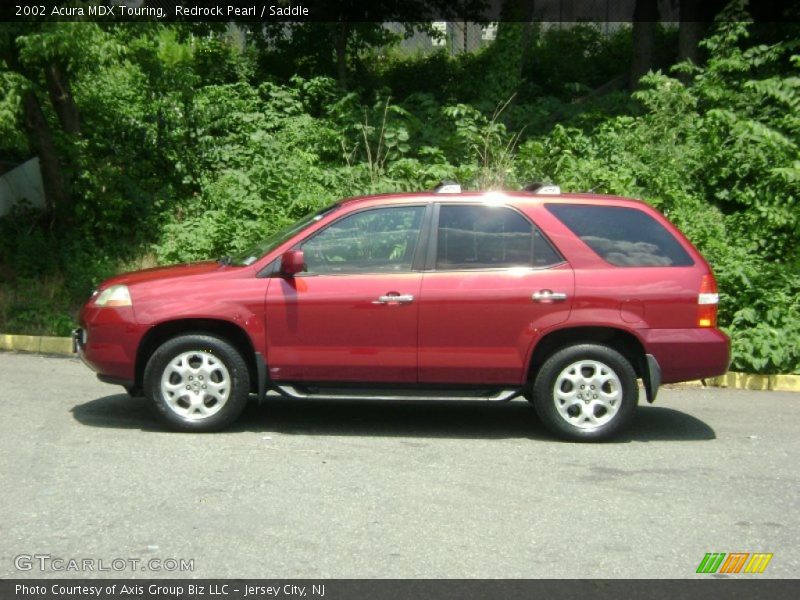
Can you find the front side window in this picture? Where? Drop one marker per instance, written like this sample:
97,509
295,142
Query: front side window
380,240
489,237
267,245
625,237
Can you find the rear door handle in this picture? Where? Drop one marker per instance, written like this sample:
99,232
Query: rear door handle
548,296
392,298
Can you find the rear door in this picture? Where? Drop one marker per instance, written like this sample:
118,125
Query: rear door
353,315
493,282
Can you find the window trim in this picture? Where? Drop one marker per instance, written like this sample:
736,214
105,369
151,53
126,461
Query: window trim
433,241
416,259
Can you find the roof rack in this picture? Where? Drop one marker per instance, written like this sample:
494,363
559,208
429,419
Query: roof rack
448,187
538,187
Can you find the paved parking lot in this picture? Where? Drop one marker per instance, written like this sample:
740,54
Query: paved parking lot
360,489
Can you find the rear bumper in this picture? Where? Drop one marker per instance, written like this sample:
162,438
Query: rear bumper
687,354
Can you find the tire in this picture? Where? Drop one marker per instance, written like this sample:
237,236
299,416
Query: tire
589,413
196,382
133,391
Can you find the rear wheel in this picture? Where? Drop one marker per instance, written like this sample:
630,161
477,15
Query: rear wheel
586,392
197,382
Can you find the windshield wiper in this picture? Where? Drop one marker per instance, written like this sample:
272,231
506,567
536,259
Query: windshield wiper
224,260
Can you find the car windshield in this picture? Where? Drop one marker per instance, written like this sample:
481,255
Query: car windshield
271,242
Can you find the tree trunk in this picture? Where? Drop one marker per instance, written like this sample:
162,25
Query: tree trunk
341,32
61,98
695,19
527,35
689,35
41,142
645,17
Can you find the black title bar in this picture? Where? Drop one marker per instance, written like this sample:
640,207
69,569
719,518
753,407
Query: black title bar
379,589
598,11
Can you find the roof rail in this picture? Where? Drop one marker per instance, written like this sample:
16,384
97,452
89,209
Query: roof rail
538,187
448,187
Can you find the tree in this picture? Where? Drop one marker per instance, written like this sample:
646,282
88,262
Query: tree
33,119
645,17
44,58
690,31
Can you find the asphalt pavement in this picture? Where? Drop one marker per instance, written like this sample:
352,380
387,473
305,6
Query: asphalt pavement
340,489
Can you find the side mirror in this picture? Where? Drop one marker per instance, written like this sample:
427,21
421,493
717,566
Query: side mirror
292,262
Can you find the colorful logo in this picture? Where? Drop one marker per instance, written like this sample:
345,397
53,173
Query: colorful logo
734,562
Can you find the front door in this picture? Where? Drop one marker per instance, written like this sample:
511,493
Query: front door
352,316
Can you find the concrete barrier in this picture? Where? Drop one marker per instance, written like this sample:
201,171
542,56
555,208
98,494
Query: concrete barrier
34,343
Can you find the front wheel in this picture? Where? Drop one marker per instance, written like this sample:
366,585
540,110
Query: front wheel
586,392
197,382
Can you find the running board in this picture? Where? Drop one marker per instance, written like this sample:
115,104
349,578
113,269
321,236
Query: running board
503,395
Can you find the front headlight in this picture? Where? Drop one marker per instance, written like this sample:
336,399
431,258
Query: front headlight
115,295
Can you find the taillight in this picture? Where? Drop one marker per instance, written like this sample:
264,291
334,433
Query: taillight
707,301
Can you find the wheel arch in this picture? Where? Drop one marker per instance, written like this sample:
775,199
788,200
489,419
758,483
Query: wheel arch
621,340
227,330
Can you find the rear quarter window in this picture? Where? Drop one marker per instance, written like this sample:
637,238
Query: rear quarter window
625,237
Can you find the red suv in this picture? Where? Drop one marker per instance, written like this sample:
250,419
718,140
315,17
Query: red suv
564,299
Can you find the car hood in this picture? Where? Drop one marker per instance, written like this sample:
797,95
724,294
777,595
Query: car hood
162,273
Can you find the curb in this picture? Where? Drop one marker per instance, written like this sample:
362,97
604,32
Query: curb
38,344
740,381
746,381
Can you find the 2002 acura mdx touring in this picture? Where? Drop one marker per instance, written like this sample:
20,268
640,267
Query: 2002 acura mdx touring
565,299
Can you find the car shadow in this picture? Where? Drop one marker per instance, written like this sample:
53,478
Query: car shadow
118,411
412,418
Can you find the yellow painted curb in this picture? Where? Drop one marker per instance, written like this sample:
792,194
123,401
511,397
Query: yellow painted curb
747,381
786,383
55,345
38,344
741,381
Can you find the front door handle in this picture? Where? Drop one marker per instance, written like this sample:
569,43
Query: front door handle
394,298
548,296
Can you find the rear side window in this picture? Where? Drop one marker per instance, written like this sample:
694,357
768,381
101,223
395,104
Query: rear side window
623,236
482,237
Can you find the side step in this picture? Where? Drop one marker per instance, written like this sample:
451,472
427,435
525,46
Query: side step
493,395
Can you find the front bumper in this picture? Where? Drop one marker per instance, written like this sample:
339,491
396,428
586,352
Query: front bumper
79,339
106,342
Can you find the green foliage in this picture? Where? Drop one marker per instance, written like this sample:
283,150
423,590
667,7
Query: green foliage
254,159
493,74
37,306
594,59
74,47
435,74
12,140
